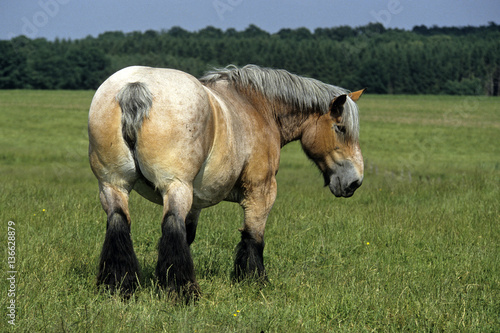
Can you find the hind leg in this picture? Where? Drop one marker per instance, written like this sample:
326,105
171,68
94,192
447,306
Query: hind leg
175,269
118,266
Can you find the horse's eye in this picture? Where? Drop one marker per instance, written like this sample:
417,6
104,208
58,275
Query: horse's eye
339,129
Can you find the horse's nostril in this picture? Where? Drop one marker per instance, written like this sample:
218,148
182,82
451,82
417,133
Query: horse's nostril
355,184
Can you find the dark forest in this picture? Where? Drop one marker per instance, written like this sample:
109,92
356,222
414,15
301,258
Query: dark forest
425,60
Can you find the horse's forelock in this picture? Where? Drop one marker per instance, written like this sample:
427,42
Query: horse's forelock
350,120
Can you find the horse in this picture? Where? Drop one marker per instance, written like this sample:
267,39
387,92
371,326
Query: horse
188,143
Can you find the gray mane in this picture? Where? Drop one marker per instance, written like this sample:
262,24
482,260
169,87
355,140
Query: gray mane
301,93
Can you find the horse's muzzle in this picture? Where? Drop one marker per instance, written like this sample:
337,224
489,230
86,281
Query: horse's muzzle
344,182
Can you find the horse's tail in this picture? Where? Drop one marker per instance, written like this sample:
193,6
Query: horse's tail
135,100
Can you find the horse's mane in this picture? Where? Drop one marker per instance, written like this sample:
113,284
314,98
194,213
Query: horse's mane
301,93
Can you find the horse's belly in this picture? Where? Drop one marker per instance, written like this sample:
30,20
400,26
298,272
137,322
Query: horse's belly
210,188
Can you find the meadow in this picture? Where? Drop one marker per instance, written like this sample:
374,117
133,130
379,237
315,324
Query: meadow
416,249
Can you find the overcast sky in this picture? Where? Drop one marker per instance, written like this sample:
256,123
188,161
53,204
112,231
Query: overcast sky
79,18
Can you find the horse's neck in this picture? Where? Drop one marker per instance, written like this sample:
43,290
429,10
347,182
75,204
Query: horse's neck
290,123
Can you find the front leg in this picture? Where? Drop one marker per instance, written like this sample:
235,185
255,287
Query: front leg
249,260
191,224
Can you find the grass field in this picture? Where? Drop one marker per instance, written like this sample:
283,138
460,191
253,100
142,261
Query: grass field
416,249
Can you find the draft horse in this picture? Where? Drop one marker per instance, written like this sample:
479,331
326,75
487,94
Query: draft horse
188,143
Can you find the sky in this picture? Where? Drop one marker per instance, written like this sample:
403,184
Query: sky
75,19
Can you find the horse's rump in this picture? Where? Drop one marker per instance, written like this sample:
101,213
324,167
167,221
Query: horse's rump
171,128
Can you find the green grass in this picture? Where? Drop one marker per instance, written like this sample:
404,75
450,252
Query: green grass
416,249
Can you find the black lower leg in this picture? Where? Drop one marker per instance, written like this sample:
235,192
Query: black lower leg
118,267
175,269
249,261
191,224
190,232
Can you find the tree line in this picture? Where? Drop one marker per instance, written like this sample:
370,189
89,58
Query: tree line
425,60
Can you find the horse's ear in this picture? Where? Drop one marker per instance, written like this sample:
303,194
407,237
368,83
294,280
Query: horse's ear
356,94
337,107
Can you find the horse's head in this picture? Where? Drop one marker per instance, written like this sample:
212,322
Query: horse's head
331,141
